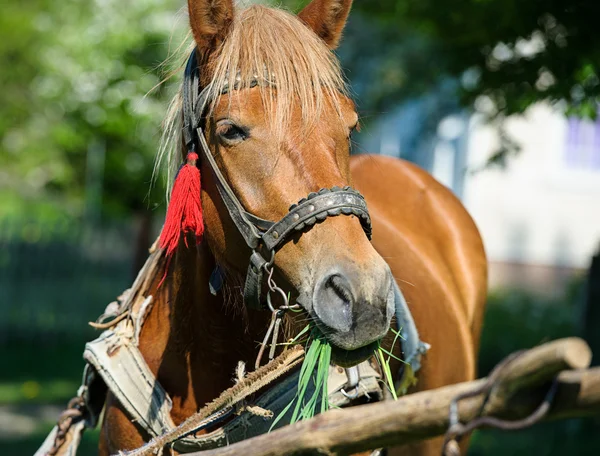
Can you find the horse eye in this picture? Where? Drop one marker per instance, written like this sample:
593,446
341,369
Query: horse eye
230,133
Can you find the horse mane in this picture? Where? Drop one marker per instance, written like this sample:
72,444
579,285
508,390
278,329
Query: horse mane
298,68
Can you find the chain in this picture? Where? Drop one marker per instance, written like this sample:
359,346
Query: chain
276,315
456,429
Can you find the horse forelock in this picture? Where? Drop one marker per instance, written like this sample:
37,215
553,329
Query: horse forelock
303,73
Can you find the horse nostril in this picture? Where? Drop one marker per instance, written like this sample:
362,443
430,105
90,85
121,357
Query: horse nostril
333,302
338,286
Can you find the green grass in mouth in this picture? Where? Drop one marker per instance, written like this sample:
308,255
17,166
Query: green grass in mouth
315,369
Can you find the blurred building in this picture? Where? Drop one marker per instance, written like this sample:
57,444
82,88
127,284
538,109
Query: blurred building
540,214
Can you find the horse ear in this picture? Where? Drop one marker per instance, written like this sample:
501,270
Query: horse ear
327,18
210,21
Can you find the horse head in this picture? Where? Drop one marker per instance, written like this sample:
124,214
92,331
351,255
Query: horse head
280,130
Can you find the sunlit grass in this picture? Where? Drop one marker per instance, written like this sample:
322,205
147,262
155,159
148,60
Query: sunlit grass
315,370
384,362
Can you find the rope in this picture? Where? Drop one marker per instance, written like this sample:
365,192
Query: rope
73,414
109,324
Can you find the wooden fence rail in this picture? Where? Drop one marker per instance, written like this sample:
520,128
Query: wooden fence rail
518,390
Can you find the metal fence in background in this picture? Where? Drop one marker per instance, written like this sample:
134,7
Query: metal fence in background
55,277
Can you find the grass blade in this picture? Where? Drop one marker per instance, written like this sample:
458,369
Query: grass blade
385,367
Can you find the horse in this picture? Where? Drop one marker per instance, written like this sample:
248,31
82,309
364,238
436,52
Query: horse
275,143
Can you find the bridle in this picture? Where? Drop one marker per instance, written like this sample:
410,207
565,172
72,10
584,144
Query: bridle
263,237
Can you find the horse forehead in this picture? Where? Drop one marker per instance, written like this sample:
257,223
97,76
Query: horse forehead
240,102
250,102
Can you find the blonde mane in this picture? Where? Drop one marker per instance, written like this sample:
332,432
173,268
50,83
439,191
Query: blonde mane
272,44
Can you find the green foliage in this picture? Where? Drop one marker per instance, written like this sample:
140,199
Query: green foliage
312,380
384,362
76,74
312,396
517,319
75,78
35,392
387,373
55,276
515,53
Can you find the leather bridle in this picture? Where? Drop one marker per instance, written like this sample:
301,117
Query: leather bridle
262,236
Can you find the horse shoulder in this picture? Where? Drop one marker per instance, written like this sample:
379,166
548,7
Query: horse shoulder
428,237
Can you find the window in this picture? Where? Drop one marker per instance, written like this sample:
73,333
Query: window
582,149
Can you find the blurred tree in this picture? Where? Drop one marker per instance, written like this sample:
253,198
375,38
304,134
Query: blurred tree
385,57
75,117
507,54
515,53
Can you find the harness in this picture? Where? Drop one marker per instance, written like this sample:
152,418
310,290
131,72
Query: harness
115,363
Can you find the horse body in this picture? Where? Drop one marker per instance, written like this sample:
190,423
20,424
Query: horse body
193,340
437,258
423,237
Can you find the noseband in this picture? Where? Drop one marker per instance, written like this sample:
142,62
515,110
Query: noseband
262,236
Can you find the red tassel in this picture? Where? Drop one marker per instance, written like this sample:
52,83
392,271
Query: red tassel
184,213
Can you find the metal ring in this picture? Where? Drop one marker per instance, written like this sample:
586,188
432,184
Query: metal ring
268,265
270,282
283,295
354,395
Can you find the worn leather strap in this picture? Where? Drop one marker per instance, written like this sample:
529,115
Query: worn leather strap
276,399
316,208
193,104
125,372
236,211
253,285
69,447
413,348
118,365
309,211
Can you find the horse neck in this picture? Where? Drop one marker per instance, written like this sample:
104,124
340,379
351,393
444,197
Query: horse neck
193,340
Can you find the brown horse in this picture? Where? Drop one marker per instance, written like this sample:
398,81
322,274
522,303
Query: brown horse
275,143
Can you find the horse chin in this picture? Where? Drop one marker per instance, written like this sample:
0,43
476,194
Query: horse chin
349,358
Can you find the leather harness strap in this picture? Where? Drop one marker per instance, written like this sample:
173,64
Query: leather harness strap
115,362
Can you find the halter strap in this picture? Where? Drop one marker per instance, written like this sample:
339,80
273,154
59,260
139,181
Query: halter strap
193,102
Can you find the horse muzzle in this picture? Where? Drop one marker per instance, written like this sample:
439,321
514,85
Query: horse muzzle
353,309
